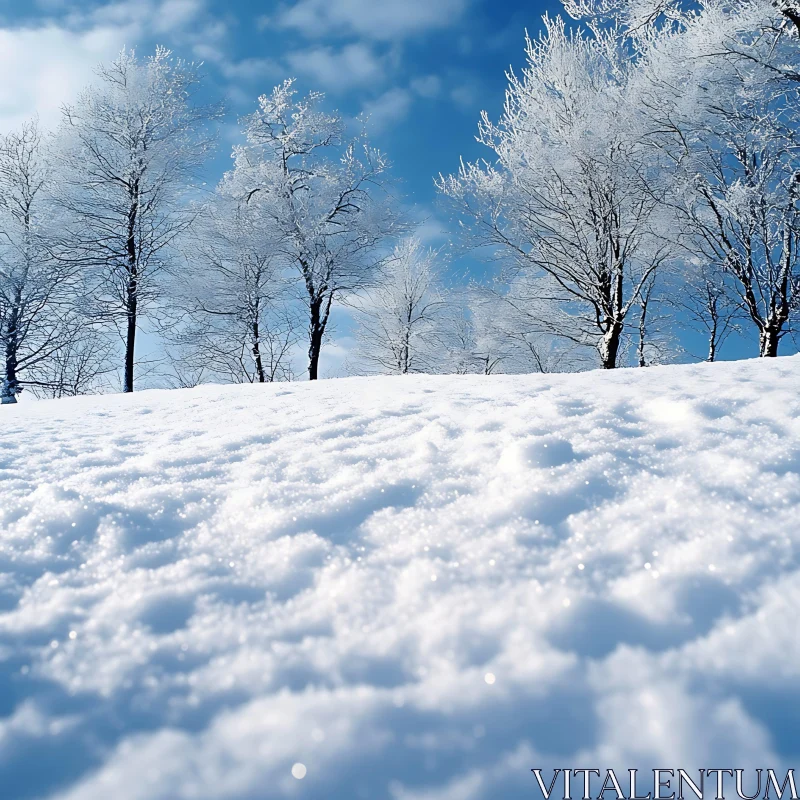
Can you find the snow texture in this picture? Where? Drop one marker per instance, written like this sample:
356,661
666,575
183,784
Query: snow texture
409,588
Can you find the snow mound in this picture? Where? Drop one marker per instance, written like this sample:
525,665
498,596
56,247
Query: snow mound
411,589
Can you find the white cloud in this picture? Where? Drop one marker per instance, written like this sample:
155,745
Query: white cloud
46,67
250,69
176,14
464,96
391,106
166,16
433,232
384,20
209,52
427,86
354,65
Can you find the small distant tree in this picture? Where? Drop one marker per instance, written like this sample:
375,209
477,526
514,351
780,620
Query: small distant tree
239,323
656,341
518,332
84,362
463,352
130,146
325,197
707,303
400,320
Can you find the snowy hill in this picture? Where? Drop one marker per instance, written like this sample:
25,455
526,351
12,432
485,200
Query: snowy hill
417,589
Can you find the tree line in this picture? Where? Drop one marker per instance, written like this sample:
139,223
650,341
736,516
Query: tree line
644,175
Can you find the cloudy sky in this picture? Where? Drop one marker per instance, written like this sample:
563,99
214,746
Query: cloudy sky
422,69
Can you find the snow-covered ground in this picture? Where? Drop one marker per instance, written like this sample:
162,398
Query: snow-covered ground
418,589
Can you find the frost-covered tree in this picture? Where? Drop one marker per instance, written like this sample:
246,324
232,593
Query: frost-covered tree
400,320
323,196
130,146
655,339
83,362
706,303
466,353
38,322
487,330
745,213
639,18
636,18
572,197
721,105
718,83
516,331
239,323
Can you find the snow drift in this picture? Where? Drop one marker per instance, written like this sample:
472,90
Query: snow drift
416,589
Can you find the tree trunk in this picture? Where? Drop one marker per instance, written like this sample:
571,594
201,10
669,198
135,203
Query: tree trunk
130,335
712,348
316,330
313,355
712,338
642,335
132,289
10,386
257,354
406,353
768,341
609,345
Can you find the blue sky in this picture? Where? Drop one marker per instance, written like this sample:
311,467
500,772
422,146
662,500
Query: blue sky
421,69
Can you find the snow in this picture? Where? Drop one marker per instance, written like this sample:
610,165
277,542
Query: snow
409,588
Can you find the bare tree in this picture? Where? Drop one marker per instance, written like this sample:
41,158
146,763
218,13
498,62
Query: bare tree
746,217
401,319
656,342
130,146
639,18
721,106
326,199
216,348
240,324
573,197
37,314
82,363
707,303
463,351
517,332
